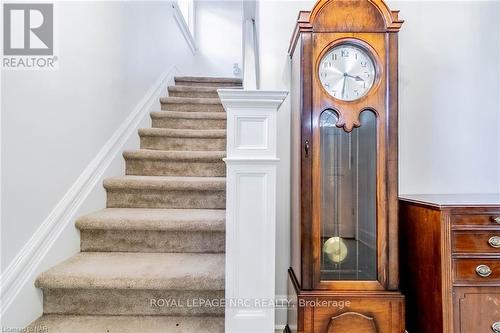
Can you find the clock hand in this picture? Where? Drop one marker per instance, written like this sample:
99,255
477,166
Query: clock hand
343,85
357,78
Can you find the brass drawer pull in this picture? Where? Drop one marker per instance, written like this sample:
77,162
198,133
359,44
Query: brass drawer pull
496,327
483,271
494,242
496,219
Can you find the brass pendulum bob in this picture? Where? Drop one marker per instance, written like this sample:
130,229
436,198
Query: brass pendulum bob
335,249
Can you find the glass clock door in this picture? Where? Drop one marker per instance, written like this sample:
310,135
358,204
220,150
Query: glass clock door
348,199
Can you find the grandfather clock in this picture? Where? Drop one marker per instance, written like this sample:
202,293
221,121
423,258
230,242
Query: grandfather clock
344,274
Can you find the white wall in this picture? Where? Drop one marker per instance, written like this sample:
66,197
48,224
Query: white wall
55,122
449,99
219,37
449,106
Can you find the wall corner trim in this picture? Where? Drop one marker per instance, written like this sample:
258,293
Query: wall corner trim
33,252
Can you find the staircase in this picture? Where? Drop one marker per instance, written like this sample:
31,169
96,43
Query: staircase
155,255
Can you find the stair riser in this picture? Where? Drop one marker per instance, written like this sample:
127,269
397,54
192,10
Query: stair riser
185,107
193,94
127,324
145,167
152,241
207,84
132,198
183,144
129,302
181,123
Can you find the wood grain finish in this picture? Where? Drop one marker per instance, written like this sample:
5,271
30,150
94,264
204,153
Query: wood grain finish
421,258
306,165
441,247
352,321
476,242
371,25
315,310
466,271
477,220
374,100
476,309
392,162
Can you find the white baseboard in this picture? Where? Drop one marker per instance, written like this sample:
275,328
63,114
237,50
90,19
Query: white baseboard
26,262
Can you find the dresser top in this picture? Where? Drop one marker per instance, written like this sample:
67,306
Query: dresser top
454,200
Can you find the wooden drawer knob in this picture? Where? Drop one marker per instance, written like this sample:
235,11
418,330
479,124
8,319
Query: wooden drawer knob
494,242
496,327
483,271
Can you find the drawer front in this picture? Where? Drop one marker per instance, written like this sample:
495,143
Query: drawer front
490,220
477,310
372,315
486,242
477,270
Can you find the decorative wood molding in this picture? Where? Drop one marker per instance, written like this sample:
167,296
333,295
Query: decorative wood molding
389,18
346,320
251,207
303,25
184,28
446,271
24,266
379,18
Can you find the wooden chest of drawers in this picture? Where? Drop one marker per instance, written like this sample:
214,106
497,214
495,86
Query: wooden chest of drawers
450,262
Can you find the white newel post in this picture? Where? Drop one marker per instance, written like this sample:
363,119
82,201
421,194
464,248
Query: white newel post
250,207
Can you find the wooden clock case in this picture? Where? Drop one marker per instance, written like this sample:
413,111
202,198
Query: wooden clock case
343,306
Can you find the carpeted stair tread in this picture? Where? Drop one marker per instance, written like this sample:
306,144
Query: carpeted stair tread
183,133
153,230
193,91
148,162
128,324
188,115
189,156
166,183
180,88
189,100
198,79
163,235
138,271
188,120
191,104
154,219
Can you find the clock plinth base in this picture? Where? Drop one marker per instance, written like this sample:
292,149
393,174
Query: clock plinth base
330,311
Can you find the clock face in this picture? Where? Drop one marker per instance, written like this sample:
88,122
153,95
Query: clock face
347,72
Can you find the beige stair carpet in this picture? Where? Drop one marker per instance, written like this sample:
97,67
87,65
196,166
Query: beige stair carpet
153,259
